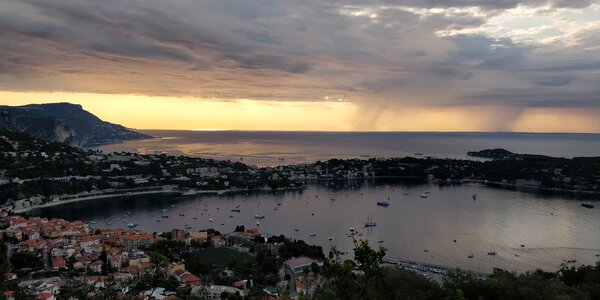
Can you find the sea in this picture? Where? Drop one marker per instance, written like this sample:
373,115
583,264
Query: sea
526,229
269,148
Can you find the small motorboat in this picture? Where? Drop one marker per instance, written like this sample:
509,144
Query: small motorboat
384,203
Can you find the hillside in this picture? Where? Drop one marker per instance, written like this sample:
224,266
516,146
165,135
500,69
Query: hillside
64,122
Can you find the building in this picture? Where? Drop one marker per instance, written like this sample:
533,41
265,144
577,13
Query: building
299,264
133,242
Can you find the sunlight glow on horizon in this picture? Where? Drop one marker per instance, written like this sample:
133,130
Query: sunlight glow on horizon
171,113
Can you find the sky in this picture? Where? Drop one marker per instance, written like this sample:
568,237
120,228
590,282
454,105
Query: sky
369,65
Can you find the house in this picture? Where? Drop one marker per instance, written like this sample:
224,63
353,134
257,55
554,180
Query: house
299,264
177,235
95,281
300,287
218,241
59,263
8,295
45,296
186,278
201,236
215,291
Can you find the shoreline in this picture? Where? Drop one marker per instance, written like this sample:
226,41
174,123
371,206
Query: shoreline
138,193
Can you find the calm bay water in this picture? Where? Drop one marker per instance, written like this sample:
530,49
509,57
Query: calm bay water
553,228
275,148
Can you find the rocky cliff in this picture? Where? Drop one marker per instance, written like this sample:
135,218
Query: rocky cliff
64,122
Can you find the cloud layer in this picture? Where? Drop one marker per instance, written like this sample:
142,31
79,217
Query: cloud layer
380,54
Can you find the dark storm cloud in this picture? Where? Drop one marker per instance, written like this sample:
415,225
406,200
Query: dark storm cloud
372,52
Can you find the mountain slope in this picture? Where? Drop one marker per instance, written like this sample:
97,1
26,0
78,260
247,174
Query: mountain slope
64,122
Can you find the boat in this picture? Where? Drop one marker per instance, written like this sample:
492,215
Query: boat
278,203
230,216
132,225
380,241
352,229
210,220
172,205
181,214
259,217
424,195
164,214
471,256
187,226
332,199
93,222
195,218
384,203
296,229
236,210
587,205
312,235
370,222
257,223
330,238
158,220
474,196
189,192
492,253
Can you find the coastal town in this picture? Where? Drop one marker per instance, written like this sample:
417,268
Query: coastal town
36,173
44,258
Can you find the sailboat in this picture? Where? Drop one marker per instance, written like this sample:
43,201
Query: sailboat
370,222
493,251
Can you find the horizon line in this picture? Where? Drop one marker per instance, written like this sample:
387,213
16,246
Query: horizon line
362,131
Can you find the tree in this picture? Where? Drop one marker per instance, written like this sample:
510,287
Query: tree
21,260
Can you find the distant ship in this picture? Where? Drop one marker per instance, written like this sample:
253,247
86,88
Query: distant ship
236,210
474,196
132,225
587,205
384,203
187,226
312,234
424,195
259,217
164,213
492,253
